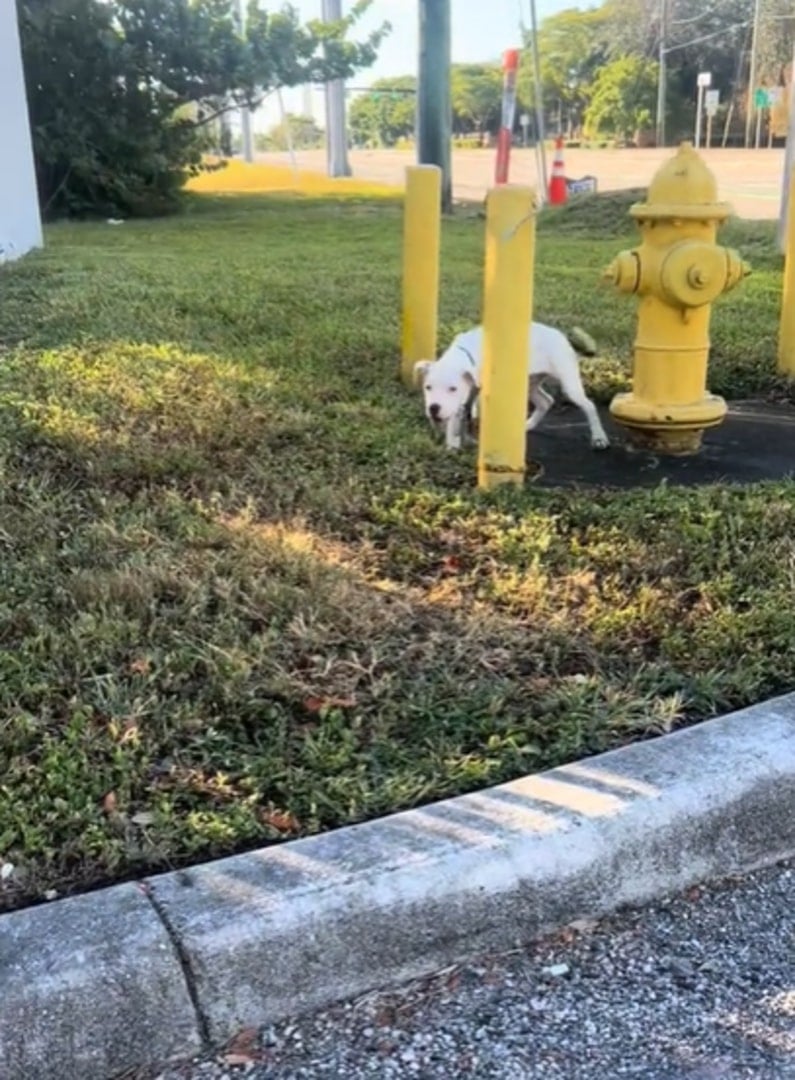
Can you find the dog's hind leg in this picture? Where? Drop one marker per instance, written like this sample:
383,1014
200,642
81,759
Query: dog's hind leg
573,389
542,402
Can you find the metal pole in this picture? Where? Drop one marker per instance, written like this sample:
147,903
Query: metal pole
245,113
661,76
752,76
699,111
336,135
434,108
543,188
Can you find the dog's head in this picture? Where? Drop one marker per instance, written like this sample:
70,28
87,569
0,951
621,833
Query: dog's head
446,394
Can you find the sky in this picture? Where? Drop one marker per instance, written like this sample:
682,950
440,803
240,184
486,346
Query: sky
481,31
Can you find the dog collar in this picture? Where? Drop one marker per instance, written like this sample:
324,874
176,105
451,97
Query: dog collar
468,355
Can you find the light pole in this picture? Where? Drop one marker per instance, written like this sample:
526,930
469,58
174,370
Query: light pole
434,110
704,82
336,135
661,75
541,157
751,105
245,112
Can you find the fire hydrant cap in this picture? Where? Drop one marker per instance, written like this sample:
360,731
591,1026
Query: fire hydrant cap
683,187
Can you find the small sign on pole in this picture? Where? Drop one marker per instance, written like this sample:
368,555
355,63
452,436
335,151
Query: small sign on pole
524,120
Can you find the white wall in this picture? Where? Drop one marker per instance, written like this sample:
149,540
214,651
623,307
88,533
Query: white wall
20,224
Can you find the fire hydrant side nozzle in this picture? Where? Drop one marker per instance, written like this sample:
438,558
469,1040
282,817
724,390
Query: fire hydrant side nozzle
678,271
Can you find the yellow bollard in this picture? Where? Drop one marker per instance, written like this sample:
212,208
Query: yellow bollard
421,242
507,313
786,331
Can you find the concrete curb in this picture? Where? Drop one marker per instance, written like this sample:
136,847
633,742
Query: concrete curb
92,985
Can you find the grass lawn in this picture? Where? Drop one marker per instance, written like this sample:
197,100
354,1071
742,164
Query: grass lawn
244,596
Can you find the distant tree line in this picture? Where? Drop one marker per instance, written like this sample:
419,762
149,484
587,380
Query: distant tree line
599,72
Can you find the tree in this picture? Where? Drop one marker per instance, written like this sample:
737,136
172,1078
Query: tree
303,131
624,97
572,46
121,92
386,113
476,95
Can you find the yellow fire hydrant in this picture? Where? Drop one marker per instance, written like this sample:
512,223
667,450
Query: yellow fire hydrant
678,271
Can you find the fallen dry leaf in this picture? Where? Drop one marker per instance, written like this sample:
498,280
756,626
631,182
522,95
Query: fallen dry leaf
317,704
281,820
141,666
109,804
242,1049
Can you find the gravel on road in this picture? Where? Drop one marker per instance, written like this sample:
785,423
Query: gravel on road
699,987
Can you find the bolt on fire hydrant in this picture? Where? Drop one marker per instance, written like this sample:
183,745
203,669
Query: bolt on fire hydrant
678,271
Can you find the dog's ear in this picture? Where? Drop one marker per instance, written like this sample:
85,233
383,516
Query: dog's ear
421,370
470,380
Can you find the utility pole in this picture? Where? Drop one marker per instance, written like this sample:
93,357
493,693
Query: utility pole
541,157
751,105
336,133
661,74
245,112
434,109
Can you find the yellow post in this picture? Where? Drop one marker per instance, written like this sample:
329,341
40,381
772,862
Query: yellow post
786,332
421,242
507,313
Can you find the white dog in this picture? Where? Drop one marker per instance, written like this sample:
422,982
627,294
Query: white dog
451,384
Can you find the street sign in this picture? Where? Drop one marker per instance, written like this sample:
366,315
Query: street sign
760,98
711,102
524,119
704,79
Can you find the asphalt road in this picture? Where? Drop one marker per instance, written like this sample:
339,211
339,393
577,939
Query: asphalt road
749,179
701,987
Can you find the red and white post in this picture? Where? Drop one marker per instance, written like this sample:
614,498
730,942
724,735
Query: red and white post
510,67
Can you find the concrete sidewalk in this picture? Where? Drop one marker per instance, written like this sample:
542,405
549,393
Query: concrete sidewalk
97,985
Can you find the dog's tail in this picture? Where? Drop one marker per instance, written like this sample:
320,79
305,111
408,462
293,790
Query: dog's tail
581,342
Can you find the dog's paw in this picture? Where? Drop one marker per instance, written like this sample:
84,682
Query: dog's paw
601,442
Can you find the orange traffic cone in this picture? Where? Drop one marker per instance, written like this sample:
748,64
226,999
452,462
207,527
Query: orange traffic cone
558,190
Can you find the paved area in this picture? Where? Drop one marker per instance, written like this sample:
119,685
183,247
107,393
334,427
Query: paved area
701,987
749,179
756,442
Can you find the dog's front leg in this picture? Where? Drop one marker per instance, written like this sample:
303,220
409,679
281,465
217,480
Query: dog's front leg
452,433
